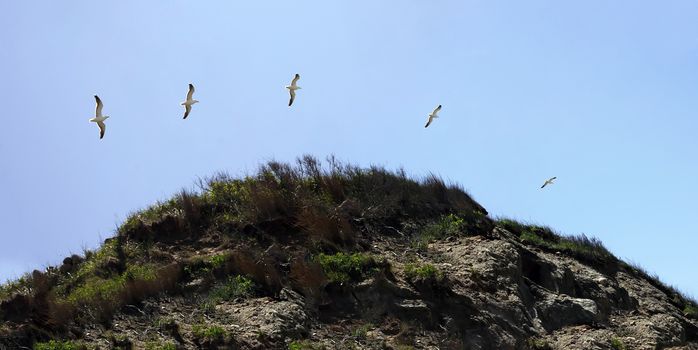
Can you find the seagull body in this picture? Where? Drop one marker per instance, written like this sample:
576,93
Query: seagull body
433,115
189,101
549,181
292,89
99,119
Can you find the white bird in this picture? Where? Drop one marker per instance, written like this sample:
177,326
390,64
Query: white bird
292,89
189,101
549,181
99,119
433,115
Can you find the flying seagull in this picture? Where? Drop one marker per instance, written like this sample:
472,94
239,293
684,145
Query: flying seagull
189,101
99,119
549,181
433,115
292,89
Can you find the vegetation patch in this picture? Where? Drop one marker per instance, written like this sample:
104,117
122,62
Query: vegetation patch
450,225
691,310
305,345
538,344
617,344
415,272
208,334
107,290
157,345
361,331
343,268
59,345
582,247
235,287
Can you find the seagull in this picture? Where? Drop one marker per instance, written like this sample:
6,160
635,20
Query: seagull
189,101
292,89
433,115
549,181
99,119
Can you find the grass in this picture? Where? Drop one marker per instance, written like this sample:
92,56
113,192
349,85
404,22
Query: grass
415,272
210,334
447,225
360,332
157,345
235,287
21,285
106,290
688,305
582,247
343,268
59,345
617,344
304,345
538,344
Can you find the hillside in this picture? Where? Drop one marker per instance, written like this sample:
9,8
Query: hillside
307,256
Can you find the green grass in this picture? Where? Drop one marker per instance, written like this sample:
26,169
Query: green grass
21,285
580,246
58,345
415,272
617,344
361,331
447,225
343,268
206,333
108,289
691,310
157,345
234,287
304,345
538,344
217,261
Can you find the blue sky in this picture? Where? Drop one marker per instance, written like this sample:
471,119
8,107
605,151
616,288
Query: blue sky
601,94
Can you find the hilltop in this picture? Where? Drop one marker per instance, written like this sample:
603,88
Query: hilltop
307,256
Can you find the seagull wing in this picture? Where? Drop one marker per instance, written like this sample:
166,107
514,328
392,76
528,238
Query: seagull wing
190,94
98,108
102,129
295,79
293,97
187,109
436,110
429,121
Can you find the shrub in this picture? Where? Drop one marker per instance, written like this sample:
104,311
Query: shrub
217,261
342,268
415,272
691,310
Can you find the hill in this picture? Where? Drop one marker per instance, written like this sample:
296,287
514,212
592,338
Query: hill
307,256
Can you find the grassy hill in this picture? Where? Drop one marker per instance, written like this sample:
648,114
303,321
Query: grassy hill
312,256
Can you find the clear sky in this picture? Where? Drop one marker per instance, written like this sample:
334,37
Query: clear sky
602,94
